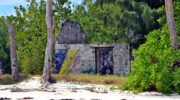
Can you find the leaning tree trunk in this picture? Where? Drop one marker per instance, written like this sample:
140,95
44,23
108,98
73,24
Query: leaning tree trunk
50,44
171,24
14,64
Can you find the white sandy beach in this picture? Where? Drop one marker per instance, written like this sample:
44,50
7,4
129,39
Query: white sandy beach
73,91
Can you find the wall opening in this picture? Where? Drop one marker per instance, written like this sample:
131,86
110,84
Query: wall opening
104,60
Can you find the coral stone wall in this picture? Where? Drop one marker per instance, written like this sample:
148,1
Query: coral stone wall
71,33
84,61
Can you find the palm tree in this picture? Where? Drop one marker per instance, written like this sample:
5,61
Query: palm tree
14,64
50,44
171,24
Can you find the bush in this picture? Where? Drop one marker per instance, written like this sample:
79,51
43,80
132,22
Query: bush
31,57
176,81
152,67
164,81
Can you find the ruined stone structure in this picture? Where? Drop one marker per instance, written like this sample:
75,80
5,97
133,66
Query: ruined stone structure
95,58
79,57
71,33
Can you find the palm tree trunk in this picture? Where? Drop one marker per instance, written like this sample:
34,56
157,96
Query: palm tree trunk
14,64
50,44
171,24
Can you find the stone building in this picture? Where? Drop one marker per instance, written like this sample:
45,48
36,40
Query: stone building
73,52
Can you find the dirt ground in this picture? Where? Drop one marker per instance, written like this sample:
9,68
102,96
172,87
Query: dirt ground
31,90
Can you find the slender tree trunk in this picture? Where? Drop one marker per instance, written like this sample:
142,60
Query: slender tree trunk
50,44
14,64
171,24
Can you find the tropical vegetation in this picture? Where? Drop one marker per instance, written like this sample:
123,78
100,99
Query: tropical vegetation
140,23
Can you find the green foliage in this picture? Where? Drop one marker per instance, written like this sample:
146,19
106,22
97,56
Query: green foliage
31,33
176,81
153,3
112,22
68,61
30,28
164,81
116,21
4,47
152,67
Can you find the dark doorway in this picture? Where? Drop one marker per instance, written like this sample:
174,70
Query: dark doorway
104,60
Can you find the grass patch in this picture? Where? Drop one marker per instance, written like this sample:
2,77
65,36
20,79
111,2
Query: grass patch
91,78
7,79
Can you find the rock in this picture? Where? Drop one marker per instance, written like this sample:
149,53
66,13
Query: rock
71,33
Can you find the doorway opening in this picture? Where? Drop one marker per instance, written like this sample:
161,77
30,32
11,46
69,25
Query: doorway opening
104,60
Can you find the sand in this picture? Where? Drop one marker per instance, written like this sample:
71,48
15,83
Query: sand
31,90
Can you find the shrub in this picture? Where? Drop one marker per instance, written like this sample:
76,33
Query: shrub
31,56
152,67
164,81
176,81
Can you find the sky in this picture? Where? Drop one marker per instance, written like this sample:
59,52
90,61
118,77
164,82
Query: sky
7,6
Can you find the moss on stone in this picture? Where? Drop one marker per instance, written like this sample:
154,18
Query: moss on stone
68,61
